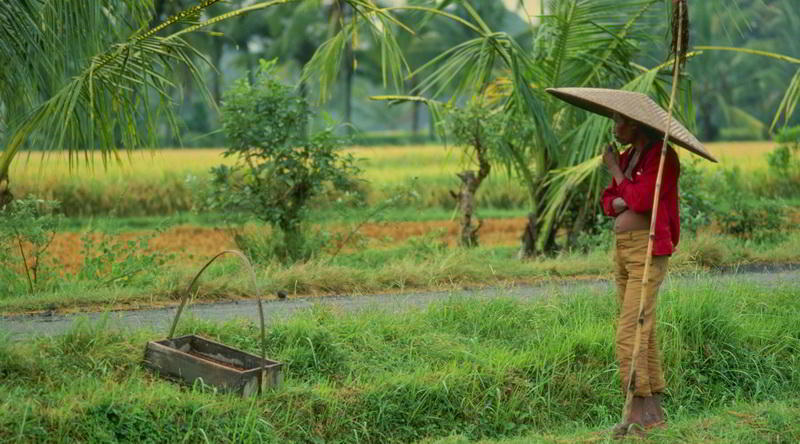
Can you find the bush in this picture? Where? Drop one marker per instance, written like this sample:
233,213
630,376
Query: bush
280,167
784,165
757,220
27,227
696,203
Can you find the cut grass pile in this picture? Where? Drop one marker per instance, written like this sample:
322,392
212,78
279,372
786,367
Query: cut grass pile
164,182
479,369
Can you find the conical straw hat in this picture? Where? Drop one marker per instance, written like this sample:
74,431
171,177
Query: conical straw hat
635,106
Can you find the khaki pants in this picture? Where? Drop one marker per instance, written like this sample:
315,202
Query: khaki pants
631,248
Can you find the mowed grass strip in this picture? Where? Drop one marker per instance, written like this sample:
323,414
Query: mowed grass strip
463,368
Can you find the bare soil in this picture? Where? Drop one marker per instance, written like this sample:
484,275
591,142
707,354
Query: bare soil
194,244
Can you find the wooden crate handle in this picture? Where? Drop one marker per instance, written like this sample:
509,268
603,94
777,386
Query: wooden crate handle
185,297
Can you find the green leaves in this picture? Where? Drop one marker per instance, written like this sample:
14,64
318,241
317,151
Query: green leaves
377,22
280,167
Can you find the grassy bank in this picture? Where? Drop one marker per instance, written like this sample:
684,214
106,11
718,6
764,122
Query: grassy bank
775,421
421,263
497,370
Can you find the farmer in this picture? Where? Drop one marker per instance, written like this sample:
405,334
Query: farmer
629,200
641,123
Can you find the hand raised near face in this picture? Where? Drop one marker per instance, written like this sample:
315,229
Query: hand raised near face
611,157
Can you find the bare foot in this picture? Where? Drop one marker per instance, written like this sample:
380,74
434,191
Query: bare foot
636,422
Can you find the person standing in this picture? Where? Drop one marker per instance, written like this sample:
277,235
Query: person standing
629,200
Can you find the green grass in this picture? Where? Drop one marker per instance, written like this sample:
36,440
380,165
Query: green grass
775,421
161,182
110,224
498,369
419,264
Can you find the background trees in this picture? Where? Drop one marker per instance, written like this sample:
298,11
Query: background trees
118,88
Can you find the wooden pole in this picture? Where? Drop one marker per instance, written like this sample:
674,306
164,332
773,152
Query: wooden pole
637,342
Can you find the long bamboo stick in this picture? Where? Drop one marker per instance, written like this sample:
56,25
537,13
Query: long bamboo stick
637,342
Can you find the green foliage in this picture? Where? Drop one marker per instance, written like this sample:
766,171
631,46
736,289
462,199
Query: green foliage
758,220
484,367
27,227
111,260
784,164
280,167
789,136
696,200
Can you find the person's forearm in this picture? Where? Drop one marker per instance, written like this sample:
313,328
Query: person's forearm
619,205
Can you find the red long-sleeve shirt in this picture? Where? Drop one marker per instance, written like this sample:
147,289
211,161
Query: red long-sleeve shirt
639,191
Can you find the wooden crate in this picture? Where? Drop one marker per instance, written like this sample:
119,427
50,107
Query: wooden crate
191,358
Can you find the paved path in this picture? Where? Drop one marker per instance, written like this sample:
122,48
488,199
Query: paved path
26,326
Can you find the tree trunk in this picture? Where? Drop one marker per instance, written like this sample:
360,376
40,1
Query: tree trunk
303,89
468,236
527,248
5,191
531,235
470,181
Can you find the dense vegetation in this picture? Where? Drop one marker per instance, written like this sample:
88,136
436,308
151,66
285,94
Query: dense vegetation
75,237
505,367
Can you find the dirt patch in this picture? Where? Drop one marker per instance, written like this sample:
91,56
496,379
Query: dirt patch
194,245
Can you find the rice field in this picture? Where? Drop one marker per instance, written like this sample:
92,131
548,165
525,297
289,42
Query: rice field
171,181
381,164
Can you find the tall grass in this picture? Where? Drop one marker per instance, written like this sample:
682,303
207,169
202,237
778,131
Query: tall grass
480,368
164,182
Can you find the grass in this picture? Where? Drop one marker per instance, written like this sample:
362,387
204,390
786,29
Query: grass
418,264
461,370
347,215
167,181
740,423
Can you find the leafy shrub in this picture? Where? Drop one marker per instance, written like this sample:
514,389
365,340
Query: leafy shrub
280,167
597,235
784,165
757,220
27,227
696,202
110,260
749,218
706,251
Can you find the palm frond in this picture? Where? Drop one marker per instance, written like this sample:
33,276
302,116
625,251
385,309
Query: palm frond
789,102
326,62
96,89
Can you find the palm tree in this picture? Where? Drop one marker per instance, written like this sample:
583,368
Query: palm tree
590,43
62,87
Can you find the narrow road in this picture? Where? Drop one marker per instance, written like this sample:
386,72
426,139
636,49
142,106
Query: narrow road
26,326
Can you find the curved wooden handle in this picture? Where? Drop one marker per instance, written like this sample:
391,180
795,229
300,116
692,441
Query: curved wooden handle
185,298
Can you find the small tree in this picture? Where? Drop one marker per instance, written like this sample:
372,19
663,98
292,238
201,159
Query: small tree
280,167
486,134
27,227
